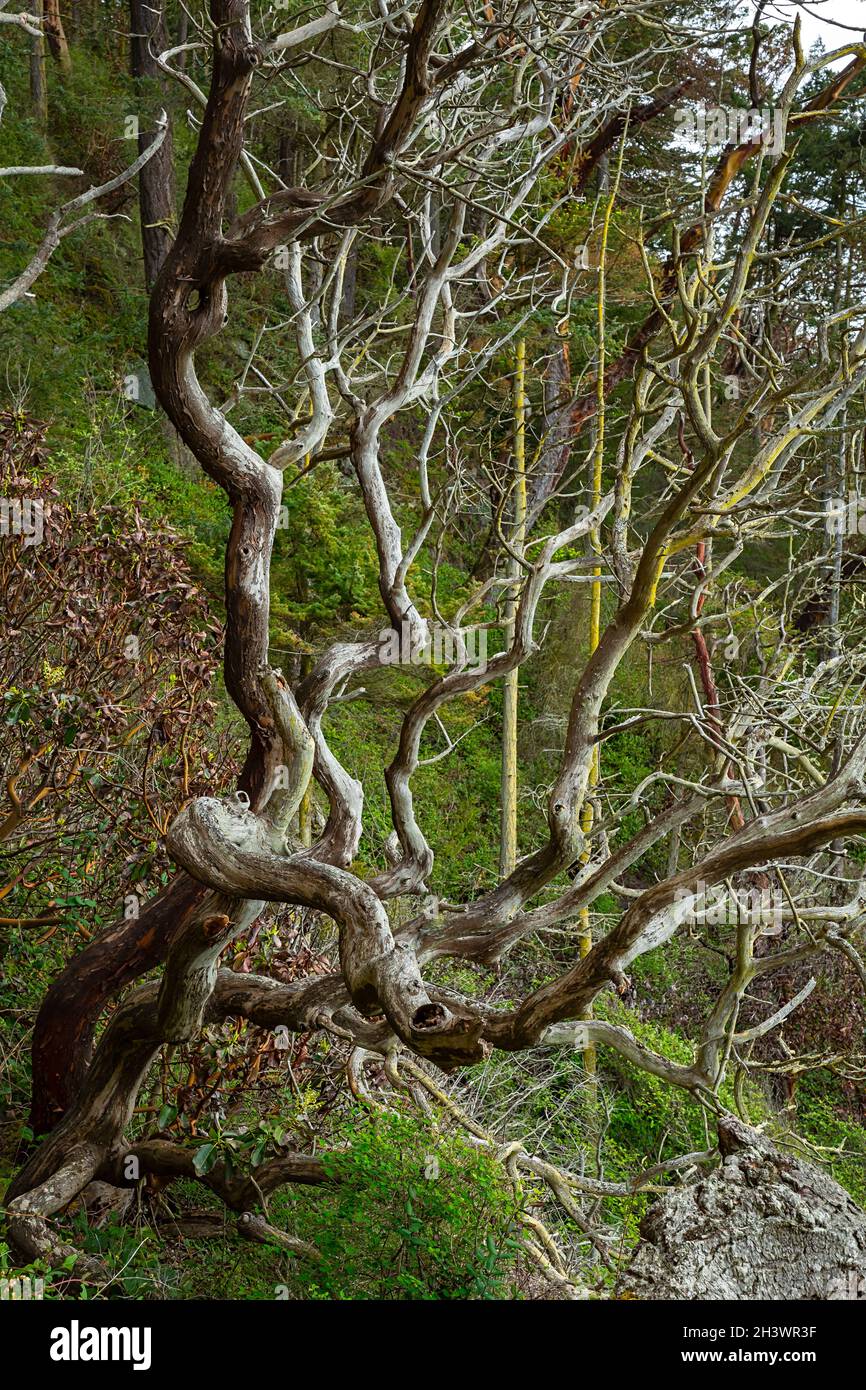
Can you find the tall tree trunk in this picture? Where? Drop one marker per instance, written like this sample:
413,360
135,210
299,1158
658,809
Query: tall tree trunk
508,832
156,180
836,468
38,81
350,284
287,161
56,34
305,810
181,38
596,485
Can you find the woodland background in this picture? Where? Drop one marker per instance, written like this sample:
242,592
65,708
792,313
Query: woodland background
139,528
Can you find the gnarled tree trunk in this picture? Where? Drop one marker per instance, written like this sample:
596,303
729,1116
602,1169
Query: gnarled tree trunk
156,197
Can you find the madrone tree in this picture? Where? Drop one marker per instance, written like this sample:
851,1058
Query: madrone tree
457,136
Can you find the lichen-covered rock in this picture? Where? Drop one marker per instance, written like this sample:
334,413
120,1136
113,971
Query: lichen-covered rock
761,1225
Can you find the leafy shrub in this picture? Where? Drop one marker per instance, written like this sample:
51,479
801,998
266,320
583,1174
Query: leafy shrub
416,1215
